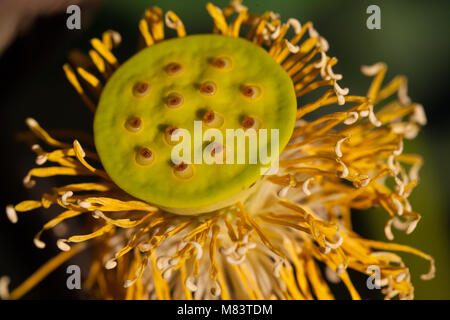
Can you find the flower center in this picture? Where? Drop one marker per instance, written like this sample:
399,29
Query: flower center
195,90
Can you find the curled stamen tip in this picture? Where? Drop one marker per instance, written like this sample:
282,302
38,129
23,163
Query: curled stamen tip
292,48
419,115
430,275
401,276
323,43
364,113
39,243
198,249
402,93
84,204
234,261
283,192
295,25
339,240
41,159
312,32
162,262
337,148
129,283
412,226
216,291
65,196
190,284
364,182
31,122
398,205
170,23
344,172
331,275
144,247
28,183
373,69
353,117
167,273
340,269
97,214
4,284
388,230
305,186
77,146
111,264
11,213
237,5
62,245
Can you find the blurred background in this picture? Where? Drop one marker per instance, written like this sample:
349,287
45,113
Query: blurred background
34,43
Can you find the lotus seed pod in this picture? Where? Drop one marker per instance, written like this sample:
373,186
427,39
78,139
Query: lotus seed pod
224,82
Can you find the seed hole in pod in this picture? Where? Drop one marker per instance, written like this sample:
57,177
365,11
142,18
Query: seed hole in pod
141,88
168,132
221,63
212,119
133,124
208,88
183,170
250,123
174,69
251,92
174,100
144,156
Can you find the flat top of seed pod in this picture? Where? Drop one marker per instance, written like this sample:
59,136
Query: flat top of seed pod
223,82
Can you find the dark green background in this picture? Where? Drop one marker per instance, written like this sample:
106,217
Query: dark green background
413,41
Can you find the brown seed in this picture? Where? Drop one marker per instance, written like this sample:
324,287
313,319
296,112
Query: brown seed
212,119
181,166
175,100
250,91
209,117
144,156
146,153
174,68
248,122
183,170
169,131
221,63
134,123
208,88
141,89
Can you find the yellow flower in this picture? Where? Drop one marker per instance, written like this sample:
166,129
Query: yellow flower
267,244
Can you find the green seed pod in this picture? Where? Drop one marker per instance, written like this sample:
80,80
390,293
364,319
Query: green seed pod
224,82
